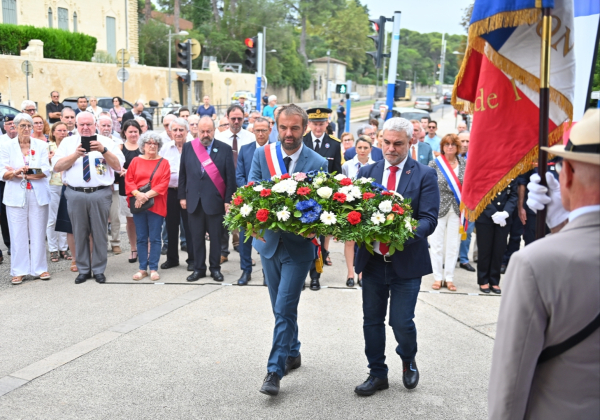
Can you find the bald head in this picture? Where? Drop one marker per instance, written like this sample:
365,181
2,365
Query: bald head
223,124
464,138
167,120
579,184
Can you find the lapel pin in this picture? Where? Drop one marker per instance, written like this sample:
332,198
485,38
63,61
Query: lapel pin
408,172
327,146
215,150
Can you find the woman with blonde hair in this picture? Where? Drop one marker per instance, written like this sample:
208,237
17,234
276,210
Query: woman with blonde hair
41,129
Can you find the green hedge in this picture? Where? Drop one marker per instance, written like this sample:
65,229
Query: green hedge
58,43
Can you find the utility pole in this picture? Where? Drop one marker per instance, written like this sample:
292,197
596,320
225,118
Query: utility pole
170,63
348,104
383,67
264,63
189,69
442,63
260,51
393,64
328,84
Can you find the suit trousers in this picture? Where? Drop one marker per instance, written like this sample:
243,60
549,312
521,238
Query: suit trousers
245,253
446,233
380,283
3,219
199,223
285,279
491,241
57,241
174,215
115,221
89,216
28,247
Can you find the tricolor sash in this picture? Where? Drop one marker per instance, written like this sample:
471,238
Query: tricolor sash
209,166
274,159
456,188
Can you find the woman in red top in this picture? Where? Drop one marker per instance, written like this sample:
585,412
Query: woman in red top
148,223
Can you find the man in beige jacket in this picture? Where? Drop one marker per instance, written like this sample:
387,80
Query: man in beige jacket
551,293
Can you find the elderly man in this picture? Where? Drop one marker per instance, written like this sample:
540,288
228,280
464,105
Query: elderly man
11,133
223,124
546,358
53,108
269,110
206,109
28,107
206,184
137,111
166,135
143,123
89,177
253,116
235,137
177,217
396,278
419,151
116,137
369,131
82,104
193,121
67,115
461,126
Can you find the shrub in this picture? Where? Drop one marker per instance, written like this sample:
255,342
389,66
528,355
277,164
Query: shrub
58,43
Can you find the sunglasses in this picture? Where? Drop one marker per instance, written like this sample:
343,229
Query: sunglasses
432,126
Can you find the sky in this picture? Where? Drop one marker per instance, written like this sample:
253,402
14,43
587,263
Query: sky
423,16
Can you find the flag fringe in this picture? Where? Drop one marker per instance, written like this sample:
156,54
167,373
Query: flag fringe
503,20
524,165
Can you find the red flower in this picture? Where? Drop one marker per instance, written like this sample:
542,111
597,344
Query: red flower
285,176
354,217
341,197
265,193
262,215
397,209
368,196
387,193
251,183
238,200
303,191
32,152
346,181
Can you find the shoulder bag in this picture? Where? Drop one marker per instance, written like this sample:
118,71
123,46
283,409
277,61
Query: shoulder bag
144,188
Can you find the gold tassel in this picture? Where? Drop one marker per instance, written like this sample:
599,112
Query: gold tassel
319,263
463,234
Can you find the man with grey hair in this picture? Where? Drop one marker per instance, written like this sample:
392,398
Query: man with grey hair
113,134
166,135
143,124
193,121
269,110
396,277
89,176
28,107
138,111
223,124
366,130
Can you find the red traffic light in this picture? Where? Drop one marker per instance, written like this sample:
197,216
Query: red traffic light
376,27
249,42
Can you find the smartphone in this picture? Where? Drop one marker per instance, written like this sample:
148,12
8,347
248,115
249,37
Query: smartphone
85,142
33,171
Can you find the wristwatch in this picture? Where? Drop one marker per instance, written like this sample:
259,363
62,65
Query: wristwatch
105,150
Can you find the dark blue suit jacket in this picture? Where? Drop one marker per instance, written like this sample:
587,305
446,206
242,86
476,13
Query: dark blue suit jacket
376,154
419,183
244,163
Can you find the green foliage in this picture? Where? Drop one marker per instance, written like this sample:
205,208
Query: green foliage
58,43
596,79
154,45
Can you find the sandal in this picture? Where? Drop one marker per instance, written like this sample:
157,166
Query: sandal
17,280
45,276
74,268
437,285
132,260
154,275
451,286
66,255
328,261
140,275
54,256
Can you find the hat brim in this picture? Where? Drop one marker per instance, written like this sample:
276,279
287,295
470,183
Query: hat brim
559,150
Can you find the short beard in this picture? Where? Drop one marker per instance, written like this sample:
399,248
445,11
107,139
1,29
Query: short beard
396,161
293,146
205,141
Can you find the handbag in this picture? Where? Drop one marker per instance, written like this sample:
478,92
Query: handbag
144,188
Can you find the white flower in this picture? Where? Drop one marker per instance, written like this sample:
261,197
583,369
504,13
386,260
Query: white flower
275,177
398,195
377,218
283,214
407,224
287,186
385,206
339,177
364,180
355,192
246,210
328,218
324,192
258,188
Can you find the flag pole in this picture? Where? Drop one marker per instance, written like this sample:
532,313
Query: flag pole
540,228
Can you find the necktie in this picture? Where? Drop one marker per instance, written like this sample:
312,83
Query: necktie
317,145
414,152
235,150
391,186
287,161
86,168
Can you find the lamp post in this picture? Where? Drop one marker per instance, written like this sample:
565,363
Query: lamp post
180,33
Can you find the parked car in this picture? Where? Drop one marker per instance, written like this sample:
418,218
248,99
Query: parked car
354,96
424,102
409,113
250,97
447,98
5,111
104,102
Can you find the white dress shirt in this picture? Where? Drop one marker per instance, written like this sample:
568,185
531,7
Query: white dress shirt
243,137
100,171
351,167
315,138
294,157
583,210
171,153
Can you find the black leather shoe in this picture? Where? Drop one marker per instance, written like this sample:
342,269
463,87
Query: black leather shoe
168,264
496,290
196,275
314,284
216,275
467,267
350,282
82,278
184,248
292,363
503,269
360,282
371,386
190,267
270,385
244,279
484,290
100,278
410,375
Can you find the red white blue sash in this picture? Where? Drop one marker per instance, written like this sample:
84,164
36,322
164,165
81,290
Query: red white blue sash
455,186
274,159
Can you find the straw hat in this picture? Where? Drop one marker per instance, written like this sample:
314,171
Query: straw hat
584,140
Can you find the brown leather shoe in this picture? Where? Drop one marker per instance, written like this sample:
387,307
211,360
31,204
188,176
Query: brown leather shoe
224,259
116,250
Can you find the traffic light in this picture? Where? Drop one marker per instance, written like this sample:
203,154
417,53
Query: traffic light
341,88
399,89
184,59
251,50
379,39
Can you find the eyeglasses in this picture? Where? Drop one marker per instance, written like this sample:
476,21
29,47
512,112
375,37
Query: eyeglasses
25,126
84,125
29,110
224,125
236,118
150,143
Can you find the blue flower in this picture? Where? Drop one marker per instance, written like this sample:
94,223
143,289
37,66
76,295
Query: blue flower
309,217
307,205
378,187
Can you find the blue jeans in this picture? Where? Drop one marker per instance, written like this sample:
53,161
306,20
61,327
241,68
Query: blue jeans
245,253
148,227
466,244
380,283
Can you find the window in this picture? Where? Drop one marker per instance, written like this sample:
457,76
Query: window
111,36
50,17
63,19
9,11
74,21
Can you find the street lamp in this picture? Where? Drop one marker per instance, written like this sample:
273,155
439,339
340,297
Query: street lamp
180,33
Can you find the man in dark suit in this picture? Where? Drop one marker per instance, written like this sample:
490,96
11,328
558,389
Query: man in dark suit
419,150
206,183
262,130
397,278
286,258
137,111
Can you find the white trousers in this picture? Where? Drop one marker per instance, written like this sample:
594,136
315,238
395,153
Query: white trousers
446,232
57,241
28,237
115,222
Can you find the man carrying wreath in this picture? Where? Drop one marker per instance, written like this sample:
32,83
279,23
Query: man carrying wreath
286,258
397,277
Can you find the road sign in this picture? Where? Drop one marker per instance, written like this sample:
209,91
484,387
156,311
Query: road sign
27,68
122,75
196,49
122,56
227,81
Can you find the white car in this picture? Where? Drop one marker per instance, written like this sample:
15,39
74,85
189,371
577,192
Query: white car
354,96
